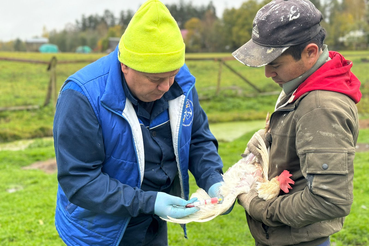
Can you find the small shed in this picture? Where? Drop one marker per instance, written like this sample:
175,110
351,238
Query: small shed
34,44
113,43
48,48
83,49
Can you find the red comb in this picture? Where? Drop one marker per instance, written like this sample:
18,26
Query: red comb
285,181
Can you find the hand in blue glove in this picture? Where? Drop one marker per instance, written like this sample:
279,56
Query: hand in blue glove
172,206
214,191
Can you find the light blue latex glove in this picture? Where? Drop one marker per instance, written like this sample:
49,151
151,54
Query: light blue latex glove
172,206
214,190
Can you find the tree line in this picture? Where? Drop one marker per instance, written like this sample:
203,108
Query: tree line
346,23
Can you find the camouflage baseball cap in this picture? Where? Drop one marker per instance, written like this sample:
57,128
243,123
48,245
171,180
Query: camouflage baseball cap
277,26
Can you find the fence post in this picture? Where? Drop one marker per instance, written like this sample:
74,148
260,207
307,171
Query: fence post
219,76
52,82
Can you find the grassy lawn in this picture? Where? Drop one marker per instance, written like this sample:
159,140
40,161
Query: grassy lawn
236,100
28,202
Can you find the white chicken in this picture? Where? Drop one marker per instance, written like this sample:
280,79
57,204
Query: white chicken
237,180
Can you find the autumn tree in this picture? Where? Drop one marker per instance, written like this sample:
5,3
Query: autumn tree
210,30
346,19
19,45
45,32
193,38
208,33
242,22
113,32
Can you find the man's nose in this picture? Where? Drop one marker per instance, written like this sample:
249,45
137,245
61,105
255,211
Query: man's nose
269,72
165,85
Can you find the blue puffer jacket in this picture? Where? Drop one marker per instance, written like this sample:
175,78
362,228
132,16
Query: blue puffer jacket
95,205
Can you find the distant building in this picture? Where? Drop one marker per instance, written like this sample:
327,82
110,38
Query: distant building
357,39
83,49
352,35
34,44
113,43
49,48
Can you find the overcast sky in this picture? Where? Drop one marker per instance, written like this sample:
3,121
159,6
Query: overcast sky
25,19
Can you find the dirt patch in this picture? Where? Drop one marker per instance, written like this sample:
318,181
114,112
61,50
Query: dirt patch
48,166
362,147
363,124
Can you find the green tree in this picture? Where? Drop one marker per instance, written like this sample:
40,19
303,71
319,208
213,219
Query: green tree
209,31
124,18
243,19
317,4
229,19
19,45
7,46
182,12
346,17
59,39
357,8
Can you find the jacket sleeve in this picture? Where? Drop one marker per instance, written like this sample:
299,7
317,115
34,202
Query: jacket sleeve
205,163
80,154
325,143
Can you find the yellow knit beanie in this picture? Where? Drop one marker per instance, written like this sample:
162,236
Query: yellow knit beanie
152,42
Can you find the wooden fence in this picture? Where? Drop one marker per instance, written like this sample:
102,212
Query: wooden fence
222,62
52,90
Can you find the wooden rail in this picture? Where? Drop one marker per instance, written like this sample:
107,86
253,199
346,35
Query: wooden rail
52,91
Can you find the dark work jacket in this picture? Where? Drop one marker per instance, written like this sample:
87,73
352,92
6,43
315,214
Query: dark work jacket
314,132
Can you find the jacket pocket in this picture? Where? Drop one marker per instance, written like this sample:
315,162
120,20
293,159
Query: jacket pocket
327,175
326,163
266,235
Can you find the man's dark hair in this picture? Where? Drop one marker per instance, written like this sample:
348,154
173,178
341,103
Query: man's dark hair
295,51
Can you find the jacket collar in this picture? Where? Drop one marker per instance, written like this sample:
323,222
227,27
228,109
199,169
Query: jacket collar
293,84
114,97
334,75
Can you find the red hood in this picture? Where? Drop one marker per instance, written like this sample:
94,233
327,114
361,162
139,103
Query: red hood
334,75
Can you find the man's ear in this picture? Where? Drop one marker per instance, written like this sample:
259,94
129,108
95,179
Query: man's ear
124,68
311,53
312,50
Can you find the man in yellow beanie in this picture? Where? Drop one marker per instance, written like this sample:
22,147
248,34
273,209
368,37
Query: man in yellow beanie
127,129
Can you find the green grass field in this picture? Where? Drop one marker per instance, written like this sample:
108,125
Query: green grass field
28,196
26,84
28,202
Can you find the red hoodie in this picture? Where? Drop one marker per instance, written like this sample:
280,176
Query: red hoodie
334,75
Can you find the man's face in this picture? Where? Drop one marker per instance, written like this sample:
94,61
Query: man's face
285,68
148,87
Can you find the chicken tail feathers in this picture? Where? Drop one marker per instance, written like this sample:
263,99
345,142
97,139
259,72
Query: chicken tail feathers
264,155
